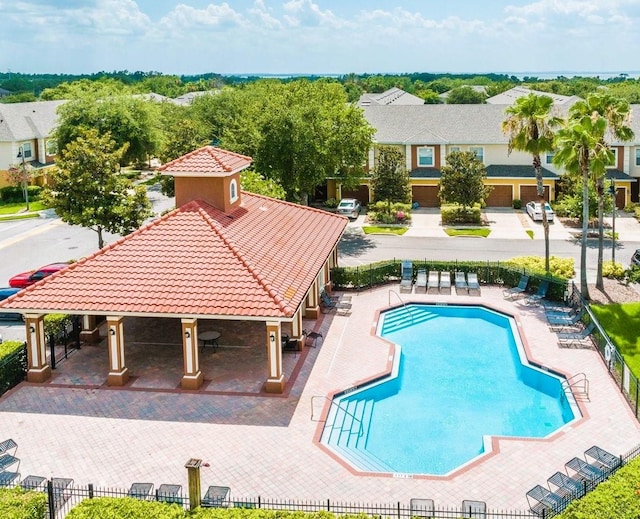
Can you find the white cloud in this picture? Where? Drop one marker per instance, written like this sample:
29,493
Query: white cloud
308,14
185,18
263,17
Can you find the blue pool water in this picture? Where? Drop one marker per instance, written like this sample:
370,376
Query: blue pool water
462,376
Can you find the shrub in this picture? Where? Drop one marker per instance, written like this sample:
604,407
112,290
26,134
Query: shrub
612,270
455,214
517,204
331,203
15,194
13,364
632,275
16,503
399,213
116,508
558,267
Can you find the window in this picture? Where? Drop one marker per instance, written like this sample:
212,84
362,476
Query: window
549,157
26,150
637,156
52,147
233,190
454,148
614,163
479,151
425,157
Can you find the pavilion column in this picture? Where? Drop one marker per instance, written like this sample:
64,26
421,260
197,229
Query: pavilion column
275,382
90,331
192,378
296,328
37,368
118,372
312,307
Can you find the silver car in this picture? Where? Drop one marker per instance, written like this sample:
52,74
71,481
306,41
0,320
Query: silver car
349,207
535,212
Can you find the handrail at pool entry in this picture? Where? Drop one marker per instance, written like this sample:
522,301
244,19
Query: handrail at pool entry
334,403
579,383
404,305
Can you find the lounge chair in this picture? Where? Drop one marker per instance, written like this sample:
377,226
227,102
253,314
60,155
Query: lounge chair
61,491
514,293
564,318
216,497
34,483
7,460
602,458
421,508
140,491
461,283
8,445
329,305
473,284
584,471
7,478
434,281
169,493
310,335
565,487
474,508
541,500
445,282
535,299
577,339
421,282
406,279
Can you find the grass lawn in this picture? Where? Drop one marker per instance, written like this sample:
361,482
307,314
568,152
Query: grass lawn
379,229
17,207
464,231
622,324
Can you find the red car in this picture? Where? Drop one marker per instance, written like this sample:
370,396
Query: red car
33,276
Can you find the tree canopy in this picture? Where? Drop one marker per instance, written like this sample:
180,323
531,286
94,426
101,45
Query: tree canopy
87,190
462,180
390,178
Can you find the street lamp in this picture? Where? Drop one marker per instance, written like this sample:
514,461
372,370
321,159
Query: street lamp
24,176
612,190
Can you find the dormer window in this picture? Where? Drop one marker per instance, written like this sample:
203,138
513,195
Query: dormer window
613,164
233,190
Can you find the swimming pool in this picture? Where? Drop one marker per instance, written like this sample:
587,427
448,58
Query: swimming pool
460,377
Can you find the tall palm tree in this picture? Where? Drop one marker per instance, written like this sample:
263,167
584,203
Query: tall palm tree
609,118
529,124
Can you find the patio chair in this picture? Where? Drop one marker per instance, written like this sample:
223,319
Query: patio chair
7,460
473,283
565,487
312,336
582,338
34,482
461,283
541,501
565,318
421,508
434,281
602,458
329,305
535,299
421,282
8,445
514,293
61,491
140,491
216,497
584,471
406,279
445,282
7,478
474,508
169,493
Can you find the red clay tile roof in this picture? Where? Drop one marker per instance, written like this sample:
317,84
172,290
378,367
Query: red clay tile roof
258,261
209,161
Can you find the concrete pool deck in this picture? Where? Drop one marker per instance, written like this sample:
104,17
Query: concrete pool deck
263,445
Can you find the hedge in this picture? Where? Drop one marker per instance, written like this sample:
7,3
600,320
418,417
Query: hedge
13,364
120,507
16,503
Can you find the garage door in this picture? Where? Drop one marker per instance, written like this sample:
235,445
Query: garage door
426,196
500,197
529,193
361,193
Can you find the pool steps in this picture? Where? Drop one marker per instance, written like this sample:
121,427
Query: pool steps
346,432
395,321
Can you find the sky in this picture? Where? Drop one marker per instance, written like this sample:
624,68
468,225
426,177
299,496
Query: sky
191,37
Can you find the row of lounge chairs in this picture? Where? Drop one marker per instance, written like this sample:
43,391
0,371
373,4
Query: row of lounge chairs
8,459
441,283
567,323
425,508
520,292
581,475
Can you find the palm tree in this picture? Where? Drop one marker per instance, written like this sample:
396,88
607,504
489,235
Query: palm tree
582,148
530,128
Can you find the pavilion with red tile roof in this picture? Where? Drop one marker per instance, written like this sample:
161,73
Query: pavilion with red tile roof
222,254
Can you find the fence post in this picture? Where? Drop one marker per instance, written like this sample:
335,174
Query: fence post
637,398
193,476
90,490
328,505
52,346
50,499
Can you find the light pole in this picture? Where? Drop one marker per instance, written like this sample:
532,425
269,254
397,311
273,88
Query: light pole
25,187
612,190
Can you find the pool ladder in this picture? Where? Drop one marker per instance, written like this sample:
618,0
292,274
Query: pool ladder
578,385
407,309
333,403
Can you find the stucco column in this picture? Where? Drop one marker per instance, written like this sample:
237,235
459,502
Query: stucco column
118,372
312,308
37,368
192,378
275,381
296,327
89,332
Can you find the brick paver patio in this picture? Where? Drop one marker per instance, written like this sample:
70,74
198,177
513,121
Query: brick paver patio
262,445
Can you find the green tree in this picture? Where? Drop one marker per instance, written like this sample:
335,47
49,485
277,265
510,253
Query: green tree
462,180
20,97
96,89
390,178
20,175
529,125
87,190
128,120
465,95
254,182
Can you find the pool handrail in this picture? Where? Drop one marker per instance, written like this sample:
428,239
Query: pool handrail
404,305
333,402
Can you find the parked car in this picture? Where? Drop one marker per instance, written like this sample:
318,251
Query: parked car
535,212
635,259
30,277
349,207
4,294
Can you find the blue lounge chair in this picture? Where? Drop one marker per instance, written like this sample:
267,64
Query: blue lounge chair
406,276
542,501
565,487
461,283
445,282
330,305
577,339
516,292
473,284
535,299
585,471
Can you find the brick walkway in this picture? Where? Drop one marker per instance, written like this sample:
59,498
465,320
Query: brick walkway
259,444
